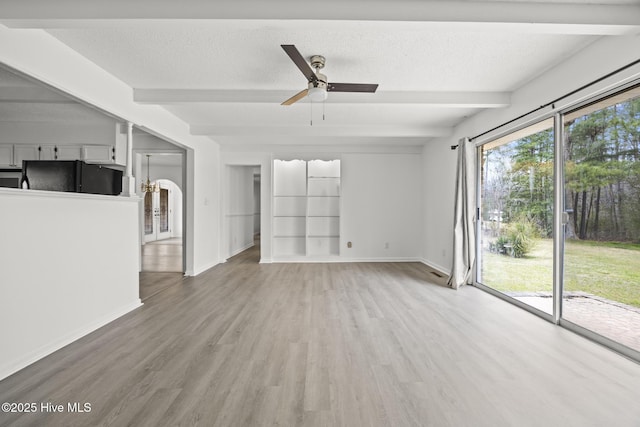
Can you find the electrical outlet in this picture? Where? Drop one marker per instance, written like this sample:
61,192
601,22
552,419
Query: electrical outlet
349,245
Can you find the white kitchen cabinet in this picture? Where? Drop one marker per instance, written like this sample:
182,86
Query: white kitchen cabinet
12,155
68,152
6,156
98,153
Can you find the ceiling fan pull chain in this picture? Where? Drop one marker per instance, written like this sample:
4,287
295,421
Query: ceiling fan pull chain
311,113
323,111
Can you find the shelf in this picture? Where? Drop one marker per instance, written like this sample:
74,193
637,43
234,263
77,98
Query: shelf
290,206
306,208
289,226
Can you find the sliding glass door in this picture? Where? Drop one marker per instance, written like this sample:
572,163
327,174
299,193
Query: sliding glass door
596,290
602,236
516,256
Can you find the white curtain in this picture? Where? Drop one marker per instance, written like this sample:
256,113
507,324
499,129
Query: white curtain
464,238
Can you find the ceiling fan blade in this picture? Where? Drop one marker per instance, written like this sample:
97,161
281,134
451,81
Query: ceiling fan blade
295,98
300,62
351,87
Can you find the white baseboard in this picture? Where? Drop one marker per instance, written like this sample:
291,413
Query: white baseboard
242,249
389,259
329,259
16,365
203,268
440,269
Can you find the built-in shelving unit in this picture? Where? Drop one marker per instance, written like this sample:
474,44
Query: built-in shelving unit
306,208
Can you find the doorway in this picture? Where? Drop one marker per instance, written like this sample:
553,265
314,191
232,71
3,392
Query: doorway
242,208
158,213
162,214
162,240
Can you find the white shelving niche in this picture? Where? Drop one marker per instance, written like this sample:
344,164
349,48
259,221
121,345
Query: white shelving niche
306,209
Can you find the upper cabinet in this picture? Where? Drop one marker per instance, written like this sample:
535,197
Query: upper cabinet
6,156
12,155
25,152
98,153
67,152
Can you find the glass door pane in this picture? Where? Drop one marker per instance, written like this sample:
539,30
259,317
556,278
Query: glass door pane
164,210
602,237
516,256
148,213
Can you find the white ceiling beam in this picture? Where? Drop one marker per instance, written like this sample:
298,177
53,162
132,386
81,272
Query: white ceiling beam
320,129
289,144
438,99
584,18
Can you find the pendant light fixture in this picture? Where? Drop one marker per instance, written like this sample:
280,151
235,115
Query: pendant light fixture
147,187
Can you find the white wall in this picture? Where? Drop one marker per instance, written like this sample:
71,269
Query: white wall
381,207
239,209
58,133
204,227
176,206
171,173
55,290
439,170
381,198
597,60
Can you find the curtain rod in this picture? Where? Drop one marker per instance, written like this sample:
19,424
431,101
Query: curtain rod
573,92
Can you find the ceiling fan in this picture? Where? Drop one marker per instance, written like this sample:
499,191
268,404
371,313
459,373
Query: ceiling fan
318,85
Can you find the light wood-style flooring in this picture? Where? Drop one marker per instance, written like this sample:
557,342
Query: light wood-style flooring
344,344
163,255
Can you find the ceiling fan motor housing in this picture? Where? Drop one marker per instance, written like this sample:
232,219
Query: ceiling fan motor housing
318,88
317,62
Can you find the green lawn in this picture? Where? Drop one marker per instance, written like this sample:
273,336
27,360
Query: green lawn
609,270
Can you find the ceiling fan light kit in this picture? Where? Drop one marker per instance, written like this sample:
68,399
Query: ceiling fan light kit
317,94
318,86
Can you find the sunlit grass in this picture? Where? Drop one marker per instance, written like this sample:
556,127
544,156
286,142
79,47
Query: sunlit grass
608,270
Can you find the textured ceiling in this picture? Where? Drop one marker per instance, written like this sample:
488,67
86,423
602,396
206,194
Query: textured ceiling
225,73
242,55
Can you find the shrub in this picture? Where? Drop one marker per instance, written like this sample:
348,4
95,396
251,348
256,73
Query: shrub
521,234
499,244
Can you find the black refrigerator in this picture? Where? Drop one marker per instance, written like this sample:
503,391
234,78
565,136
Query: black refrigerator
71,176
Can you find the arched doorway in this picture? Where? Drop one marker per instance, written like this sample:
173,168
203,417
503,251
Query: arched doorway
163,212
162,228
